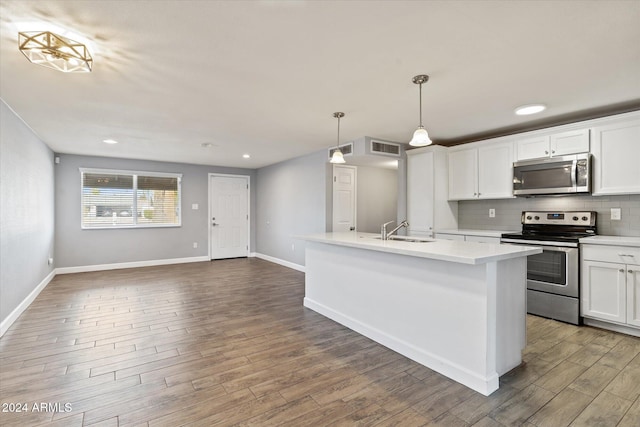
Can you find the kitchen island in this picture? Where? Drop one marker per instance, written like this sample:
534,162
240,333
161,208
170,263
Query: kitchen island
456,307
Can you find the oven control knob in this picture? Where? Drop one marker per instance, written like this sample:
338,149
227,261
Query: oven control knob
575,218
536,217
584,218
529,217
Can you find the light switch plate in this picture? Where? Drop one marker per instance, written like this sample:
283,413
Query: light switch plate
194,206
615,214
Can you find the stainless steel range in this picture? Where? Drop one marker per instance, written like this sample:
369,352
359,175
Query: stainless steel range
553,282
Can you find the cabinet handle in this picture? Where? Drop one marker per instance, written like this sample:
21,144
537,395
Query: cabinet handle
631,255
629,271
553,151
475,194
621,270
546,152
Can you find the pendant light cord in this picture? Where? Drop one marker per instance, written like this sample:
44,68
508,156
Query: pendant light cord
420,104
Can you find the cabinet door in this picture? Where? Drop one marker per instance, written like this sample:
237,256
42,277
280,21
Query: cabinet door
463,174
533,148
420,197
604,291
495,171
633,294
616,158
571,142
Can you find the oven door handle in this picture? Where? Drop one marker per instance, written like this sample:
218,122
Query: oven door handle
547,244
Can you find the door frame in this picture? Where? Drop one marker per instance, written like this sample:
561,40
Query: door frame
209,188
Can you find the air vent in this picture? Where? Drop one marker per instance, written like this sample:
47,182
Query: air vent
385,148
346,149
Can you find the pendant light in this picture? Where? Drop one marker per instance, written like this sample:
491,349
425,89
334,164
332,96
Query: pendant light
420,136
337,156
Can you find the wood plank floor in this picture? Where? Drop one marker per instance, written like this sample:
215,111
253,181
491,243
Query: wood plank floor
229,343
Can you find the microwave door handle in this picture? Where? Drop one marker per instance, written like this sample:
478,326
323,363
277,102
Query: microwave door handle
574,174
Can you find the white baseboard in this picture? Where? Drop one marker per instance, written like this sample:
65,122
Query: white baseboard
134,264
623,329
280,261
13,316
484,385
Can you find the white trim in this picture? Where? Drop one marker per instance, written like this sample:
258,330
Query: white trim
13,316
624,329
133,264
485,385
248,177
131,172
280,261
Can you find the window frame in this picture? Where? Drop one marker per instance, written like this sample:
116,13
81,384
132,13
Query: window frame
134,175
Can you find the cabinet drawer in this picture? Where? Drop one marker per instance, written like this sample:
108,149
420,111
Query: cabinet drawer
449,236
622,254
482,239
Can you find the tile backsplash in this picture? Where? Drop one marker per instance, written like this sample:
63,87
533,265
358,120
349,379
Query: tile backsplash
474,214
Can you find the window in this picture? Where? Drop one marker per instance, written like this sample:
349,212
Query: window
124,199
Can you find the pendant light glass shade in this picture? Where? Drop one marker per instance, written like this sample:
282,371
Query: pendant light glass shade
420,136
337,156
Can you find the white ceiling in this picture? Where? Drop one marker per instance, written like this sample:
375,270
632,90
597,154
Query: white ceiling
265,77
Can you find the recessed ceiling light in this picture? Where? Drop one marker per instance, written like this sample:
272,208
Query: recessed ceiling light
525,110
110,141
206,145
246,156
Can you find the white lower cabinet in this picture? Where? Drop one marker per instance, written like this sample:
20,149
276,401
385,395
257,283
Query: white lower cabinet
611,284
468,237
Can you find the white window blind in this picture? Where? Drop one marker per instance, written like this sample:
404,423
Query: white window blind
125,199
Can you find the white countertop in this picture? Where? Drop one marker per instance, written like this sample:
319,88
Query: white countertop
440,249
481,233
612,240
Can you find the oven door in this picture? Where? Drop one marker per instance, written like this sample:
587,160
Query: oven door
554,271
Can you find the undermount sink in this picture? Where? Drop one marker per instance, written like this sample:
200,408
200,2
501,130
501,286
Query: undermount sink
405,239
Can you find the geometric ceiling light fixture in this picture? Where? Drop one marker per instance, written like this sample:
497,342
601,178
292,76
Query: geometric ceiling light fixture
337,156
51,50
420,136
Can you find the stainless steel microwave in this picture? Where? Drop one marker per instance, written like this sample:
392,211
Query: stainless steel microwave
554,175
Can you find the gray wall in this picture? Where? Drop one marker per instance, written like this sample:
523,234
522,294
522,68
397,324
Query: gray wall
291,202
26,211
377,197
77,247
475,214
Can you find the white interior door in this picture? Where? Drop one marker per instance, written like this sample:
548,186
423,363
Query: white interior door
344,198
229,216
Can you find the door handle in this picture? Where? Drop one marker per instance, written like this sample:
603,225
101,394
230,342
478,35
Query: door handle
351,228
213,224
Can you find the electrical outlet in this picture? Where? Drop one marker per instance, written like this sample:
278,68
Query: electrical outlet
195,245
50,261
615,214
492,213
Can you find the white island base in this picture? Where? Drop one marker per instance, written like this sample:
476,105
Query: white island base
465,321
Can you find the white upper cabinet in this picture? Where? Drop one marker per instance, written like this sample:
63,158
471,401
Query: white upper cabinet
427,204
616,156
557,144
463,174
482,172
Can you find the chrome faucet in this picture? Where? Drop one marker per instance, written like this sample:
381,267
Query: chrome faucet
383,230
